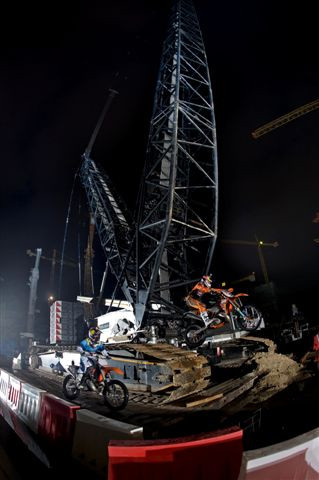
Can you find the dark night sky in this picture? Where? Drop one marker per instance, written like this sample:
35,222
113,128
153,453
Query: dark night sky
263,62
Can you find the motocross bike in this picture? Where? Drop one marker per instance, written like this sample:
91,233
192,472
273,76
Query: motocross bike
97,378
227,307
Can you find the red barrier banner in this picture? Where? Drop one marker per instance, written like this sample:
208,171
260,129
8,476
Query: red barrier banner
57,419
22,431
296,459
211,456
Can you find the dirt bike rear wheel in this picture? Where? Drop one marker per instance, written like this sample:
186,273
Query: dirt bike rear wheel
115,395
193,339
252,318
70,388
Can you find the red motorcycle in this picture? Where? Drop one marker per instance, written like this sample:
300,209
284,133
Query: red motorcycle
227,307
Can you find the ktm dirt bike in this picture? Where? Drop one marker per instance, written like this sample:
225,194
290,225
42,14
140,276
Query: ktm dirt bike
97,378
227,307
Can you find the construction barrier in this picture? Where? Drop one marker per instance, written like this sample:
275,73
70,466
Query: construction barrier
4,391
13,393
216,455
92,434
47,424
43,421
56,423
4,386
29,405
28,439
296,459
10,399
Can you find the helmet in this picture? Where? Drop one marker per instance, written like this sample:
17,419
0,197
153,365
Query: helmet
94,334
207,280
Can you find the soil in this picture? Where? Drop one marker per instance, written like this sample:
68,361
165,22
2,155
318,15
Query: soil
282,404
278,371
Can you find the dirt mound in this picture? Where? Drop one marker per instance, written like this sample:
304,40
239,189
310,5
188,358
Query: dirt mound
278,371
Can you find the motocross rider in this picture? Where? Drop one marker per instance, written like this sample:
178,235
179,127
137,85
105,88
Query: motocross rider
194,298
91,344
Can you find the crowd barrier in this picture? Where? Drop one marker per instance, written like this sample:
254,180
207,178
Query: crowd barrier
11,402
295,459
92,432
57,419
215,455
29,405
102,444
49,425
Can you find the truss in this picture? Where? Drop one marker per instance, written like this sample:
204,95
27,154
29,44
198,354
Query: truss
177,220
112,224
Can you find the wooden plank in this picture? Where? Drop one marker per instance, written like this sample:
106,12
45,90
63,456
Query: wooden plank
219,388
204,400
186,390
233,394
191,375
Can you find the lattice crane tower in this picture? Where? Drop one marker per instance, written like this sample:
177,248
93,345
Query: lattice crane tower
177,218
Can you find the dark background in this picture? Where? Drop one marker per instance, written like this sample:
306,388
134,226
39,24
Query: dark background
263,63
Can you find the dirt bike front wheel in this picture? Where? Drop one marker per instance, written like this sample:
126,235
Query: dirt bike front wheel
115,395
193,337
70,388
251,318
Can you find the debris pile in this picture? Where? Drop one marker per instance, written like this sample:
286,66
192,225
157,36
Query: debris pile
278,371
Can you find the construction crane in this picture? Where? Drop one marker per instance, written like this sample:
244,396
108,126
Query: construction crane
278,122
177,218
171,242
50,259
88,284
33,292
110,215
260,244
54,260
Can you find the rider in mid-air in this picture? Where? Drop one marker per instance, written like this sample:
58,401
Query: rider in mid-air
194,299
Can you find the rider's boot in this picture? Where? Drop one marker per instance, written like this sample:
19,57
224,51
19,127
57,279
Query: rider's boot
205,317
217,322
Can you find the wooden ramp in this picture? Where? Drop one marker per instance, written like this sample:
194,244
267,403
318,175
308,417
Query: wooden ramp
217,396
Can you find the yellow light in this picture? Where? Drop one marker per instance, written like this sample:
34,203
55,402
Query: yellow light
261,242
223,284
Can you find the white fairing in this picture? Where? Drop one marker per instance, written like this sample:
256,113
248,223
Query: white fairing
121,322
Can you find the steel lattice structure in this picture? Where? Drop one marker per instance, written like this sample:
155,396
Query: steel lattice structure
177,220
112,224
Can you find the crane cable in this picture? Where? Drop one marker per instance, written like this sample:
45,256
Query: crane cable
65,232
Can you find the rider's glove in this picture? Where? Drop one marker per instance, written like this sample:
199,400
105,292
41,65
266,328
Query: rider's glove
105,353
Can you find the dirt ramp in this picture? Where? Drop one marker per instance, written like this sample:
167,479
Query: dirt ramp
278,371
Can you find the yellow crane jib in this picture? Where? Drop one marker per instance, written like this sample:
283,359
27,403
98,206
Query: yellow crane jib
278,122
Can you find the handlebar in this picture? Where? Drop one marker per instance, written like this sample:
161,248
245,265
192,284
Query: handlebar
96,354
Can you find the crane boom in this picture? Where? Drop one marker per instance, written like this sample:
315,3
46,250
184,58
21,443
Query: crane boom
247,242
33,292
177,219
278,122
110,215
50,259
